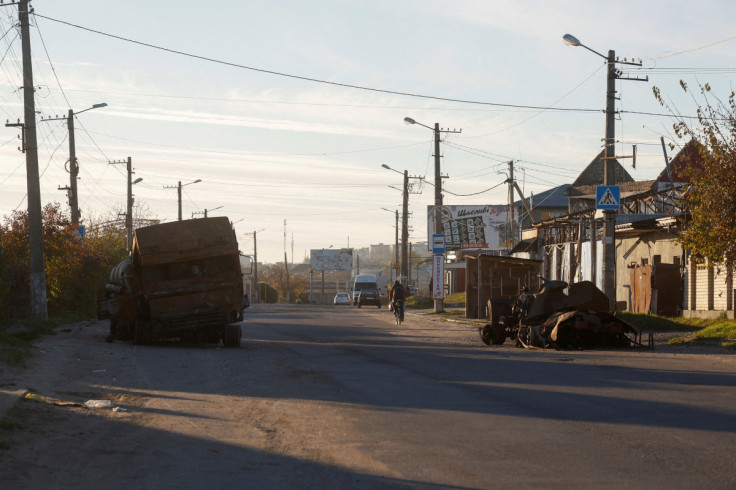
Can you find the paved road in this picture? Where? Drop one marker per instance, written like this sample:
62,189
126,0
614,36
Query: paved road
340,397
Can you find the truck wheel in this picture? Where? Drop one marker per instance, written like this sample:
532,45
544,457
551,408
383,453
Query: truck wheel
492,334
486,334
231,335
499,335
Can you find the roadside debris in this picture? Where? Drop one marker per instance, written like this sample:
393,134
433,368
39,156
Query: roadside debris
98,404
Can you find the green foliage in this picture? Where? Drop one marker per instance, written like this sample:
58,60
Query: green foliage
74,266
267,293
710,232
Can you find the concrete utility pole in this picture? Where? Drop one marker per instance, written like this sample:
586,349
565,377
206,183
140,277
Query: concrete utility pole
512,230
178,189
73,170
438,230
405,230
72,193
39,309
609,178
609,166
129,211
396,245
255,265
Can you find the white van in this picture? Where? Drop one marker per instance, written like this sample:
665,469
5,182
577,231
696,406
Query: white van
367,281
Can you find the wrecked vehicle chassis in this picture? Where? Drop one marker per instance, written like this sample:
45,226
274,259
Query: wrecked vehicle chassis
182,280
554,319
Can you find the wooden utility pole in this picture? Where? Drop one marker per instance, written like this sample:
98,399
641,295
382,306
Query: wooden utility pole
39,309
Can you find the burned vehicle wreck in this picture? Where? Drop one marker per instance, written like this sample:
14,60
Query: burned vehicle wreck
182,280
551,318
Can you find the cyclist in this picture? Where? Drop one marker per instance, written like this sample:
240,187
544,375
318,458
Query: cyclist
397,298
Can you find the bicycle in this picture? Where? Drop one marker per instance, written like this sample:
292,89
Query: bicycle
398,311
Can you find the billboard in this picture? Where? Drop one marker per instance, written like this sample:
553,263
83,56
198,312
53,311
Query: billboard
471,227
331,260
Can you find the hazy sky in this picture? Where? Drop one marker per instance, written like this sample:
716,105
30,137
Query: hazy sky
270,148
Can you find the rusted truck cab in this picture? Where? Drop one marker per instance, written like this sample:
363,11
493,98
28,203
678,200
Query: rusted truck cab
182,280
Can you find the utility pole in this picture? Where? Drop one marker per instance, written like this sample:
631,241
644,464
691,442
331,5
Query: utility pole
609,170
438,230
609,178
512,230
73,170
286,268
129,211
179,198
396,245
39,309
405,230
255,265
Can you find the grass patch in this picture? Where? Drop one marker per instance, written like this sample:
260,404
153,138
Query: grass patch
418,302
456,300
704,331
17,336
654,323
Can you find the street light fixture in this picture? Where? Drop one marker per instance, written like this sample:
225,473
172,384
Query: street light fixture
438,281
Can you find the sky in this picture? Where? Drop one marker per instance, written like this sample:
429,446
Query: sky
286,110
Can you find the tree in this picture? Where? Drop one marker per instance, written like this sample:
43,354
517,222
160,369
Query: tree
710,231
75,266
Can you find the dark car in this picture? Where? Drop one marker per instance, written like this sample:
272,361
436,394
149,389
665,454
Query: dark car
369,297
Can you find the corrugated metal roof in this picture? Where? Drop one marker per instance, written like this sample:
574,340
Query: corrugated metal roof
552,198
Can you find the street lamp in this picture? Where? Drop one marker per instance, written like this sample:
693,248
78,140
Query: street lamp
73,165
609,170
178,187
438,281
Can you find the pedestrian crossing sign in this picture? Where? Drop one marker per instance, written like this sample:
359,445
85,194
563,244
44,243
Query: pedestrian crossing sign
608,197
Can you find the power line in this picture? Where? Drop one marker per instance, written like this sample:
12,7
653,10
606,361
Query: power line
310,79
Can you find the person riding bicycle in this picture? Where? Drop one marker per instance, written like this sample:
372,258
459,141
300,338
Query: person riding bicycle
398,295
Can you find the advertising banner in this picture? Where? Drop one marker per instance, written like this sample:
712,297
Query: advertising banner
471,227
438,277
331,260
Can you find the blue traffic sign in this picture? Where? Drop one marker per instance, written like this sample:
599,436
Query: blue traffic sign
438,244
608,197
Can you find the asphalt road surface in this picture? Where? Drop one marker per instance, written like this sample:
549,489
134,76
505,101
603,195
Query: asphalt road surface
340,397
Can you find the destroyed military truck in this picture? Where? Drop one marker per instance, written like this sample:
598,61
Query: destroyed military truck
551,318
534,312
181,280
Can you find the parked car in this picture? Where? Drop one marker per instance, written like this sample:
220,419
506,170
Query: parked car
411,290
369,296
342,299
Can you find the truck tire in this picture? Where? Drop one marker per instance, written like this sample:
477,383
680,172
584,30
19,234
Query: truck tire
231,335
492,334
